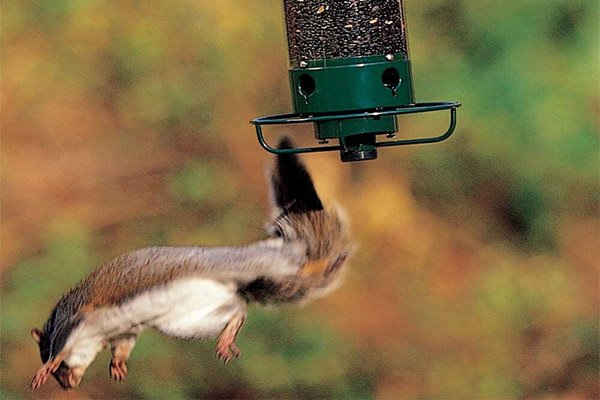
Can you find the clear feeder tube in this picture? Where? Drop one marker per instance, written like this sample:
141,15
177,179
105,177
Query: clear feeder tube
325,29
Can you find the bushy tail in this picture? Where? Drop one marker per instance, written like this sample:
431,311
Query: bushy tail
300,216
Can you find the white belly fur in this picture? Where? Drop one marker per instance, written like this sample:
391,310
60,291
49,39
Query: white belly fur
189,308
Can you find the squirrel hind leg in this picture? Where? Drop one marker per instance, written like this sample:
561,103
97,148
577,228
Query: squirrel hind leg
120,348
226,346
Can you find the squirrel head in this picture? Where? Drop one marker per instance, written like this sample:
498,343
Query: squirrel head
66,376
65,318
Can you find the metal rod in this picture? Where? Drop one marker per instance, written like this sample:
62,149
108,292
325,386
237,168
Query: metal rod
291,118
294,119
436,139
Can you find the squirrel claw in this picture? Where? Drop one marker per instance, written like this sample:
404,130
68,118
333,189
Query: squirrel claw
235,350
223,354
38,381
118,369
226,350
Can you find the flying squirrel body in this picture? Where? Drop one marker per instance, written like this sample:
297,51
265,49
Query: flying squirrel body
197,292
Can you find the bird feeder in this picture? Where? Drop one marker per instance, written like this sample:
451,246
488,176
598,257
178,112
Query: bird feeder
350,75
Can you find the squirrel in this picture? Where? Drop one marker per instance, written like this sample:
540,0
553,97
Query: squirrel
198,292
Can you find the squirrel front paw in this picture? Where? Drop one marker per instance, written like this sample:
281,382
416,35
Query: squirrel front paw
118,369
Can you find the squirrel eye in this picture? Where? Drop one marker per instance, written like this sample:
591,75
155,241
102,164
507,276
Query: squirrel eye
277,232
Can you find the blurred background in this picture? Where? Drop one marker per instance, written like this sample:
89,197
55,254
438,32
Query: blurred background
125,125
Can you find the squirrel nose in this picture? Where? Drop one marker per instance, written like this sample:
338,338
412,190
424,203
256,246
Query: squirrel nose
74,377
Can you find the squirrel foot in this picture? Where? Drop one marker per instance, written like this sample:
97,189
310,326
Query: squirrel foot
120,348
226,349
41,377
226,346
118,369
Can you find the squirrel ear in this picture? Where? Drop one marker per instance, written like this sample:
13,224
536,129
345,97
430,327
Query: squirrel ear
292,187
37,334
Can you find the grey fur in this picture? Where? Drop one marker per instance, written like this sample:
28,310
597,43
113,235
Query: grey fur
303,260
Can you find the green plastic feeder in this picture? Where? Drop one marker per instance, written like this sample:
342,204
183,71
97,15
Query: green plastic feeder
350,76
